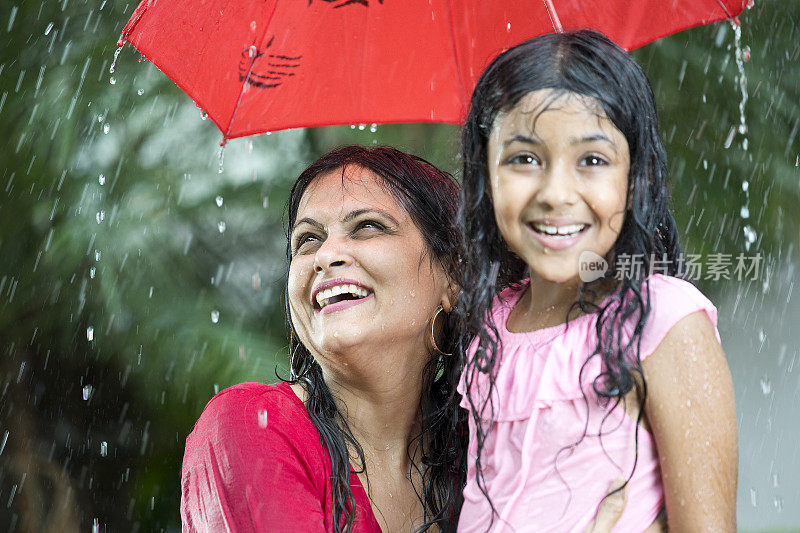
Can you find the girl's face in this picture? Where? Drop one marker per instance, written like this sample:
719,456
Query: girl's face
361,278
559,179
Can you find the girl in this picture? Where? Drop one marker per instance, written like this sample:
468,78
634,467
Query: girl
575,375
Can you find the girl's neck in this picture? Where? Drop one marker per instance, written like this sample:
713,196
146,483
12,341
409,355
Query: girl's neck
548,303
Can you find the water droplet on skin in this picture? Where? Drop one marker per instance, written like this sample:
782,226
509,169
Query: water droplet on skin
106,128
103,449
262,418
90,333
221,226
215,316
219,201
87,392
140,92
48,29
101,180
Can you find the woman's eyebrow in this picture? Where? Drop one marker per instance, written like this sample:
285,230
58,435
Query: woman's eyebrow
358,212
522,139
310,221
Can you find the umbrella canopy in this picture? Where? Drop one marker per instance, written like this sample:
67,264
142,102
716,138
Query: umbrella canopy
263,65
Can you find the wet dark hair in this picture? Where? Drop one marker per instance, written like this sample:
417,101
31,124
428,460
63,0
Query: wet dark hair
585,63
431,197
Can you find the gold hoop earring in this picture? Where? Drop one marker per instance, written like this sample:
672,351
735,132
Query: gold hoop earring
433,333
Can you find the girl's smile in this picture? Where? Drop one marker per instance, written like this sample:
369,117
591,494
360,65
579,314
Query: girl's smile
559,176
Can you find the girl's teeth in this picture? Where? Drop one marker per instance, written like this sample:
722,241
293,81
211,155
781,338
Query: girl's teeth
558,231
325,295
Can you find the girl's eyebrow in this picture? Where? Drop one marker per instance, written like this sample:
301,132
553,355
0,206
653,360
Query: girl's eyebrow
522,139
590,138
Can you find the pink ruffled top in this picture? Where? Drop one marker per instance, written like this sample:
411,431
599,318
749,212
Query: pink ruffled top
542,473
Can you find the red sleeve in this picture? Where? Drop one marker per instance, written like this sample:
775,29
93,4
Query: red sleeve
254,463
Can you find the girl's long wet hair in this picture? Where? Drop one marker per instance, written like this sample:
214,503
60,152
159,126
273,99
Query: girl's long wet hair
585,63
431,198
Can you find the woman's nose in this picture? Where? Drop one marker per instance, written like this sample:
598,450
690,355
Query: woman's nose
332,253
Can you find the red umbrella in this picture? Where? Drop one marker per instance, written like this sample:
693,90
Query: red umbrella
263,65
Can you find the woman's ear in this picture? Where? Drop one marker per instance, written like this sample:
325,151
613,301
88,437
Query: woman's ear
450,297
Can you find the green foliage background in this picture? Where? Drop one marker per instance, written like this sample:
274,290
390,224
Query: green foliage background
107,290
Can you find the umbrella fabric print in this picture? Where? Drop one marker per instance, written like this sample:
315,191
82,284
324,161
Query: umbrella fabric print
269,74
332,62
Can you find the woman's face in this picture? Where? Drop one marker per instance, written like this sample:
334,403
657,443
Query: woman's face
361,280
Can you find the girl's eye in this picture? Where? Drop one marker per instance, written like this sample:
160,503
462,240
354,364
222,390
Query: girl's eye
593,161
522,159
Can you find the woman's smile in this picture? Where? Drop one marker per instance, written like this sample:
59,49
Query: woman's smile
338,294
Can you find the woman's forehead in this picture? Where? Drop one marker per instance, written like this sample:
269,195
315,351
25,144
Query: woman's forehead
343,190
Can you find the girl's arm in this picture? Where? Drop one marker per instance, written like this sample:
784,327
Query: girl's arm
691,412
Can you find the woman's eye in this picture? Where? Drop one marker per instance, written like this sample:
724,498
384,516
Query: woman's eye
593,160
303,240
369,225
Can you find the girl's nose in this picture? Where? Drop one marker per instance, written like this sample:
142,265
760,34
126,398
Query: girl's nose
557,188
332,253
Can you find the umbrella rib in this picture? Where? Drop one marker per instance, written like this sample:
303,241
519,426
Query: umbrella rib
464,95
245,81
551,11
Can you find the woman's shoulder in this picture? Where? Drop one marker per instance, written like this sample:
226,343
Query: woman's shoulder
254,413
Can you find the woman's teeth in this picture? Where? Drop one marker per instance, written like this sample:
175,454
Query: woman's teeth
346,292
559,232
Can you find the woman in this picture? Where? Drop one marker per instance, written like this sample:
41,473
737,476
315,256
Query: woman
371,254
366,436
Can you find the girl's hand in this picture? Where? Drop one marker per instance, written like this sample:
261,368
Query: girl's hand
610,509
690,409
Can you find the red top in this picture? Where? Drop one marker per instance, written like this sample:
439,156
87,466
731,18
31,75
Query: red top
254,462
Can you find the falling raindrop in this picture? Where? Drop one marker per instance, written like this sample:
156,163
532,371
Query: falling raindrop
92,272
106,128
221,226
256,281
219,201
745,212
96,526
745,185
373,128
221,158
252,51
87,392
103,449
90,333
766,386
97,255
100,216
753,497
48,29
102,179
361,127
778,504
114,62
352,126
203,115
750,236
215,316
140,92
112,80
